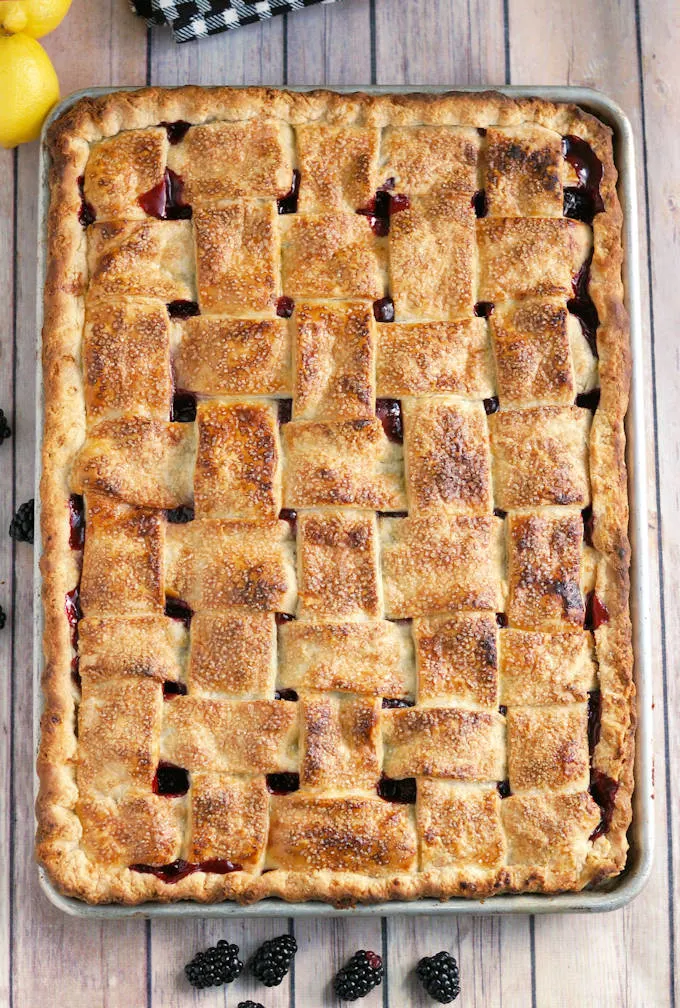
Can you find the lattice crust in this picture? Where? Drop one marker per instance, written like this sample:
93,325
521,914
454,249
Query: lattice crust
349,619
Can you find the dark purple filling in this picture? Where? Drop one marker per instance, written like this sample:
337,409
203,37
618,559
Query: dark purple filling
582,307
391,703
176,130
285,409
594,719
289,203
589,400
76,513
285,307
286,694
183,407
588,522
503,788
388,411
483,309
86,214
177,609
172,688
290,516
584,201
382,206
165,200
179,869
170,781
503,710
392,514
180,515
282,783
501,619
500,513
479,203
402,792
383,310
183,309
283,617
491,405
603,789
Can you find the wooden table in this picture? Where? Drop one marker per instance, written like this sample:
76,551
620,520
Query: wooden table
631,50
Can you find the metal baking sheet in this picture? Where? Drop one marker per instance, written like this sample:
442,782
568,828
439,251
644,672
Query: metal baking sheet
620,890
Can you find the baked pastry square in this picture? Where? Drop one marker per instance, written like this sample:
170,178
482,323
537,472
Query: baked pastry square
333,502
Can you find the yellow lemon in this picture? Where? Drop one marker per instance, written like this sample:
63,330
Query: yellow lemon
28,89
32,17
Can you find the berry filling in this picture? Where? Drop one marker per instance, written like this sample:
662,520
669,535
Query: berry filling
170,781
483,309
289,203
383,310
285,407
390,703
285,307
583,307
175,608
501,619
589,400
283,617
503,788
290,516
594,719
166,199
286,694
282,783
596,612
500,513
479,203
588,522
183,407
584,201
180,515
393,514
491,405
172,688
76,514
380,208
183,309
603,789
503,710
388,412
179,869
400,792
86,214
176,130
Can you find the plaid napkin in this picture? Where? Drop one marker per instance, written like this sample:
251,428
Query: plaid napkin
193,19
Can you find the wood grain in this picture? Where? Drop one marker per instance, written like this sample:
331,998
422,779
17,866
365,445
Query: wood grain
621,960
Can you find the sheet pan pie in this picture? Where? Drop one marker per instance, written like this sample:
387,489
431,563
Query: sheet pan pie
334,502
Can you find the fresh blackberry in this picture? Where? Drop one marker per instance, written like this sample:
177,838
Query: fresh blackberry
271,961
218,965
439,976
5,431
3,618
21,526
359,976
249,1004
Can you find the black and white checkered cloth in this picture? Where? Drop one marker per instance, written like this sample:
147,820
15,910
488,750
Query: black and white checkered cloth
193,19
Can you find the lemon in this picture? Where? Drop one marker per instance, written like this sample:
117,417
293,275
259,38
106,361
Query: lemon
28,89
32,17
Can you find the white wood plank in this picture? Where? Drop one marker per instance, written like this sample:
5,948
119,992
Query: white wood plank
660,39
250,55
439,42
52,952
585,46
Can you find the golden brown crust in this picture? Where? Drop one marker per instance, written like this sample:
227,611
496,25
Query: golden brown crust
338,848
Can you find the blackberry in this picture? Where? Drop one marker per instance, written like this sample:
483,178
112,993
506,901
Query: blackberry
218,965
359,976
21,526
271,961
5,431
3,618
439,976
